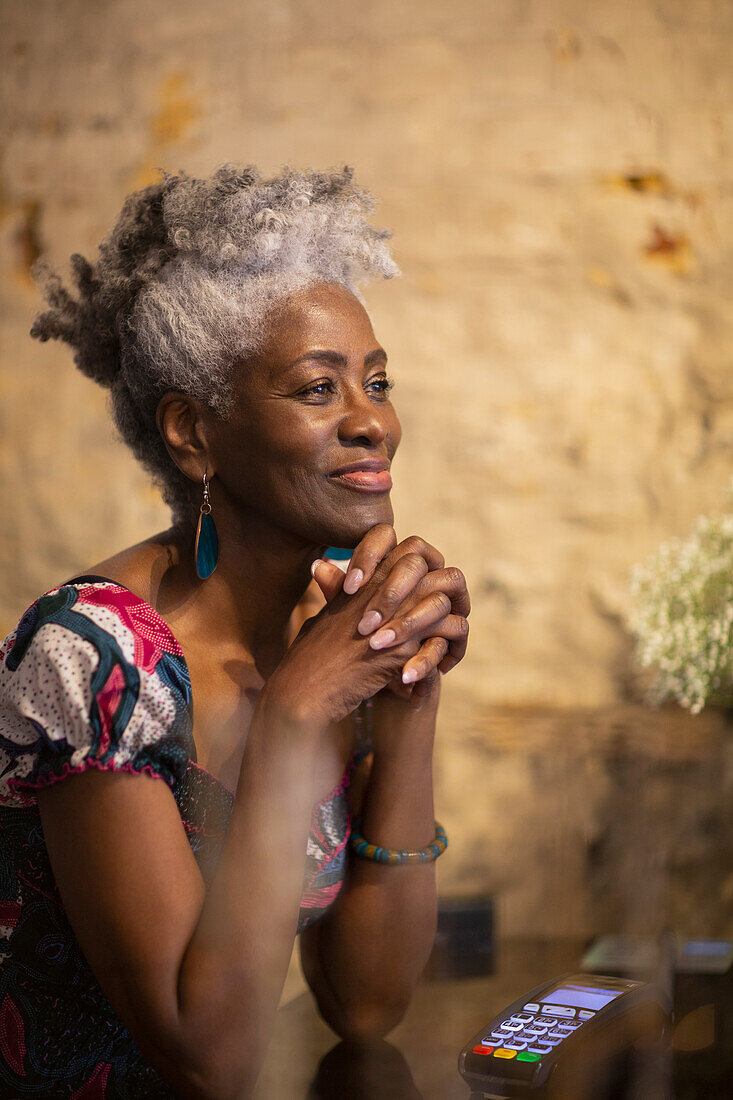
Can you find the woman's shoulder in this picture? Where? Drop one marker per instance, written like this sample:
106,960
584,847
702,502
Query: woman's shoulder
91,676
97,609
116,595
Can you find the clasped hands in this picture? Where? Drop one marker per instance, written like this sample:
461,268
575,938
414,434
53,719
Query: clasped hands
414,598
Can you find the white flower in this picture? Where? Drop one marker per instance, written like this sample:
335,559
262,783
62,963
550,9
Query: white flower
682,615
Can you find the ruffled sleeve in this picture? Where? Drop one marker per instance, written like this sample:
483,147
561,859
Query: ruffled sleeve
92,677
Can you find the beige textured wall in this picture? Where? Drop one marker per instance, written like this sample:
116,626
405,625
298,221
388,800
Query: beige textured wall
557,175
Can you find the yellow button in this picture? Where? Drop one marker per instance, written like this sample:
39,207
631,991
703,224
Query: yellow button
502,1052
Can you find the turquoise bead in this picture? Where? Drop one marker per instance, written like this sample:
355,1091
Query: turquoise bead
207,546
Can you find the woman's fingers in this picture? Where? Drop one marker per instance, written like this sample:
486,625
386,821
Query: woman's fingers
425,621
452,581
373,548
449,662
425,618
456,647
432,587
427,659
328,577
422,617
397,578
379,548
401,581
415,596
417,545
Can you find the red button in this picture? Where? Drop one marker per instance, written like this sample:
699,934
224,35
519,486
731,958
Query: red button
482,1049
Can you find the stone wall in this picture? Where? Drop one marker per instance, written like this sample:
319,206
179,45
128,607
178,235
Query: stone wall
557,176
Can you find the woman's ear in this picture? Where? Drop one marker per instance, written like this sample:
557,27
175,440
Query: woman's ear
181,421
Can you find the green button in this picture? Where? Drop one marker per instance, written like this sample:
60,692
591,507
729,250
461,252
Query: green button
525,1056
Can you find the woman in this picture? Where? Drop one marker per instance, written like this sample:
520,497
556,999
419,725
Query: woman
179,782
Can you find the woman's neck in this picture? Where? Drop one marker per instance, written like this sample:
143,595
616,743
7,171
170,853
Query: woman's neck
247,602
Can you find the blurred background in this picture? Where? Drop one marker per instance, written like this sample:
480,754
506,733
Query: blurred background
557,175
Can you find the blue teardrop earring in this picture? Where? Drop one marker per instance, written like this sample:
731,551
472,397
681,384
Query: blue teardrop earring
207,540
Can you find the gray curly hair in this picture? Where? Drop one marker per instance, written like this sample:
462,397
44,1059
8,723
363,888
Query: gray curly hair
183,285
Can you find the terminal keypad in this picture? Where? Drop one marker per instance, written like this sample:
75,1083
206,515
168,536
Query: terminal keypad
529,1034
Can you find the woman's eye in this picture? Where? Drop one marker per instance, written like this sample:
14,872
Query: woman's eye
382,385
318,389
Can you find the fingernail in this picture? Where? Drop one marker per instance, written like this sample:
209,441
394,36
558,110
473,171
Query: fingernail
316,563
410,676
354,577
382,639
369,622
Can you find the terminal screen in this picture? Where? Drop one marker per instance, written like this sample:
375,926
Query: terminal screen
580,996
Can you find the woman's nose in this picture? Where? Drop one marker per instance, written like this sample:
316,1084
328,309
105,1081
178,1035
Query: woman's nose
363,420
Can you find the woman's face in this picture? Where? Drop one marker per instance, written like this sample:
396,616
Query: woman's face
315,400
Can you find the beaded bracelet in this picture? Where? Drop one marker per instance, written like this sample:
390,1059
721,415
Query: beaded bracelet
394,856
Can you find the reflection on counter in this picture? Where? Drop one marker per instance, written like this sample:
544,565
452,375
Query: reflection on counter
363,1071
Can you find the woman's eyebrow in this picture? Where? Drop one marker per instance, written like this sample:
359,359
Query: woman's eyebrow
337,358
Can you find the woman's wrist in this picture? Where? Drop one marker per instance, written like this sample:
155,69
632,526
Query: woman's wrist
397,810
406,724
292,712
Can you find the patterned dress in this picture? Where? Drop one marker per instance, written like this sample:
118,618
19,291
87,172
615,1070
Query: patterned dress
93,677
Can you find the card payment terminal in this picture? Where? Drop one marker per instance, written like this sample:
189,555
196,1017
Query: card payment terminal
563,1036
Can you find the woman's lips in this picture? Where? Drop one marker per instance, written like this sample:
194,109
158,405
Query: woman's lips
367,481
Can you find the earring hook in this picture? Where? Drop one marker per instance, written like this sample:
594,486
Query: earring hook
206,506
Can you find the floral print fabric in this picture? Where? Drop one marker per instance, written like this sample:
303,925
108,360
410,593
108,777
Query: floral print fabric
93,677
